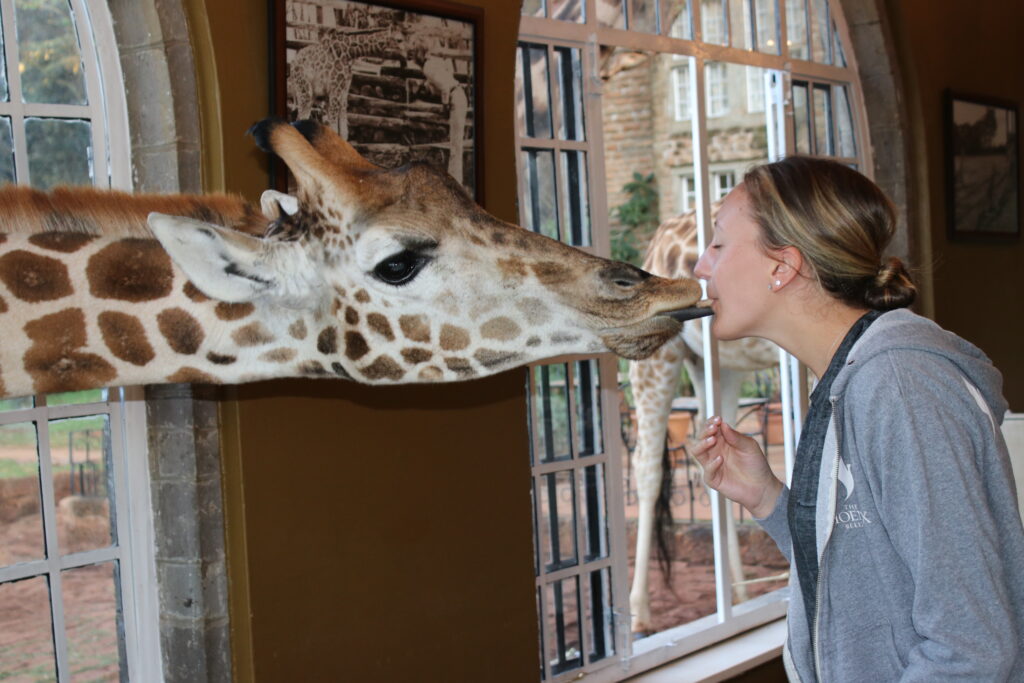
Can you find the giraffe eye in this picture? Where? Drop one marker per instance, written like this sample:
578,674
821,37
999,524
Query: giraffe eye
400,268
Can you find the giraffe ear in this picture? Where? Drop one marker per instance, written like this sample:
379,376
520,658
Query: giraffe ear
277,204
229,265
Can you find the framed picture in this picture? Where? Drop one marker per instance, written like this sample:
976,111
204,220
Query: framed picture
399,80
982,168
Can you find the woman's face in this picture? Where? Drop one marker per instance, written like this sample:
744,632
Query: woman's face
737,271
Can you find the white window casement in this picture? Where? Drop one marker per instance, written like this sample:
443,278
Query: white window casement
77,588
802,94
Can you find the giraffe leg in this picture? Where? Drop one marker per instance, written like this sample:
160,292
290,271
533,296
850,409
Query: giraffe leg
654,383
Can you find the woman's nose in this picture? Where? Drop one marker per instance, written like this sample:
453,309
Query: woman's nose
701,269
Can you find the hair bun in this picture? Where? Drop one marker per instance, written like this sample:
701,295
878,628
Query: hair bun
891,288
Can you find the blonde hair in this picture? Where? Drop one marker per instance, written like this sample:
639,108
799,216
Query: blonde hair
839,220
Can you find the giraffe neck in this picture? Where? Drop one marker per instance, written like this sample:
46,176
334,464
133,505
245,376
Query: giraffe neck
136,319
367,44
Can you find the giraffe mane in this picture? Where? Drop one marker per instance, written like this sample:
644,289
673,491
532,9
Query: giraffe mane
87,210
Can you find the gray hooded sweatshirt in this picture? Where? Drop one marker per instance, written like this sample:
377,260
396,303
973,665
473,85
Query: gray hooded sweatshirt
920,543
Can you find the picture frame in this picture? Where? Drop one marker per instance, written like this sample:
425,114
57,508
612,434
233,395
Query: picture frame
397,79
982,156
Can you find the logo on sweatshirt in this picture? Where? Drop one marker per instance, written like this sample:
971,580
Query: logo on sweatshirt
849,515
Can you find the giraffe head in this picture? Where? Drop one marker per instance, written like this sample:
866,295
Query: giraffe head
407,280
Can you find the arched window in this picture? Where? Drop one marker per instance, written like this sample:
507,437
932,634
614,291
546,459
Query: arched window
630,113
75,547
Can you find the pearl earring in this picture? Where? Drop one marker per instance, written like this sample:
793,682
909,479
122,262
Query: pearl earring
778,283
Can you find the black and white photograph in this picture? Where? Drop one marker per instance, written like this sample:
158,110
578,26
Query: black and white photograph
982,167
398,82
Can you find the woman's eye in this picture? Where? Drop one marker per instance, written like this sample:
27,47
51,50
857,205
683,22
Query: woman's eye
399,268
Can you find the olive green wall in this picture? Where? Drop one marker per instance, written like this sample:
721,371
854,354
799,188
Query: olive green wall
376,534
975,49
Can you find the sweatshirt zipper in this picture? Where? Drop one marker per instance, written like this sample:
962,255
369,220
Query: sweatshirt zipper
821,564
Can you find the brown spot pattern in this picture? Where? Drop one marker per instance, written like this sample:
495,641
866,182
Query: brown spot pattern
460,366
192,292
362,297
502,328
533,341
431,373
415,328
551,272
414,356
53,360
490,358
355,345
379,324
351,316
130,270
183,333
327,342
384,367
312,367
64,242
220,359
226,311
340,370
535,311
33,278
3,305
281,355
453,338
253,334
125,336
512,267
192,376
297,329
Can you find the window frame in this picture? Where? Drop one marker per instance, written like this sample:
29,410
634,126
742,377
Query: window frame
132,512
729,620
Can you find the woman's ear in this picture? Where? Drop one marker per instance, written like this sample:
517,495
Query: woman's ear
789,263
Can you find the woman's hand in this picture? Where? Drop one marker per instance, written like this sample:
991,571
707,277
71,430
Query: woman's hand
735,466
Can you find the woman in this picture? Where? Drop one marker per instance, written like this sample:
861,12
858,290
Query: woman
901,521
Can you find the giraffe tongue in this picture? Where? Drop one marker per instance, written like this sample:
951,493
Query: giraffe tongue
702,309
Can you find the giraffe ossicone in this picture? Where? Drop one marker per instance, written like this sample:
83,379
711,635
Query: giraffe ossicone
375,275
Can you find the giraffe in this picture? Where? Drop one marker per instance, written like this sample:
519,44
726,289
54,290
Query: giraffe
325,69
672,252
372,275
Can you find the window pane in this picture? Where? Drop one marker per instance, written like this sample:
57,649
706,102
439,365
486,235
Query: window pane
844,122
541,211
796,29
562,617
714,22
678,16
558,510
51,61
7,174
18,403
5,94
821,43
570,83
823,137
21,520
26,631
576,208
59,152
80,457
766,19
550,414
77,397
534,8
717,89
595,512
568,10
93,622
600,618
645,16
588,407
801,119
533,92
612,13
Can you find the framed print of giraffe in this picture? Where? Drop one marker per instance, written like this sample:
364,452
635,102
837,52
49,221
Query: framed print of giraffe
397,80
368,274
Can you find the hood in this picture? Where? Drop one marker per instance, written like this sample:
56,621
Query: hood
903,329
